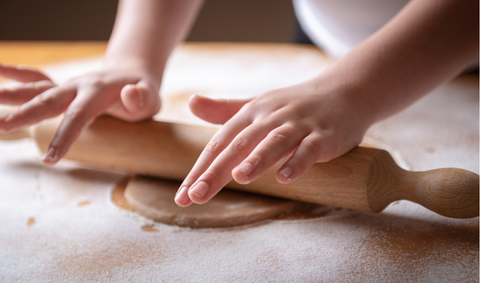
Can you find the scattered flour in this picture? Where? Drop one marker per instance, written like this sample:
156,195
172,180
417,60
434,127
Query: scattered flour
100,242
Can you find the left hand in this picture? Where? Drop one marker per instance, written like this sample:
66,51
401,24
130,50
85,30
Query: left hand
308,123
128,93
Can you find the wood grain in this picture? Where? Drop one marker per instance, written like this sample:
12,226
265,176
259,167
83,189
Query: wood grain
364,179
450,192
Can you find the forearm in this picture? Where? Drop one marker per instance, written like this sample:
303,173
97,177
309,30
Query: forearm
428,43
146,31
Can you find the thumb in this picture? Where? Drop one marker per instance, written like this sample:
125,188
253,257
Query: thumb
216,111
140,100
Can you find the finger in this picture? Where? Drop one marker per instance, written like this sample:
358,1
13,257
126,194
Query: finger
303,158
49,104
81,112
23,93
214,148
278,144
218,173
22,73
139,101
132,98
216,111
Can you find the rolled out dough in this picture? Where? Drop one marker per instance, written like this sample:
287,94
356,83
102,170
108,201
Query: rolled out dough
153,198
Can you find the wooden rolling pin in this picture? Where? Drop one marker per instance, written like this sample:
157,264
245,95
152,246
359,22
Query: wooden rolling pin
364,179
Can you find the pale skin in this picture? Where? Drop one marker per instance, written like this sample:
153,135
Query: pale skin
426,44
126,87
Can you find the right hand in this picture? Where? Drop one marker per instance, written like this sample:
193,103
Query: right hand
312,122
128,94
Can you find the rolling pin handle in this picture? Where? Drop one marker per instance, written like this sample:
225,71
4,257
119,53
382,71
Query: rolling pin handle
449,192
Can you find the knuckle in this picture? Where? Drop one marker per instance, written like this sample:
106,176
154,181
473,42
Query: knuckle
45,99
327,155
213,146
311,146
278,138
213,176
190,179
238,145
96,82
328,149
297,164
256,161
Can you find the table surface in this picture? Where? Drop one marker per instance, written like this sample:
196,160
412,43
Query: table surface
59,223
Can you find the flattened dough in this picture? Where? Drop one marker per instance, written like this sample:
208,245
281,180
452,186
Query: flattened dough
153,198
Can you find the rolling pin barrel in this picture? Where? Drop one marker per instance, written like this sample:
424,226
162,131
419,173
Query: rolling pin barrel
364,179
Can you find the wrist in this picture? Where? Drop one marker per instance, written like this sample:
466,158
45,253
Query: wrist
350,97
136,64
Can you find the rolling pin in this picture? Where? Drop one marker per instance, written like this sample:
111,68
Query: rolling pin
364,179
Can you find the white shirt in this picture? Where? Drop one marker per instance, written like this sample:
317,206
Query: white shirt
336,26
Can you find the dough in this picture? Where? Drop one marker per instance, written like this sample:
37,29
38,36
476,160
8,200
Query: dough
153,198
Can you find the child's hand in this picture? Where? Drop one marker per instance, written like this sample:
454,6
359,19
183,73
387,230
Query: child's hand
308,123
419,49
127,94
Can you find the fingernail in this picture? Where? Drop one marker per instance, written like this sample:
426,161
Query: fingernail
50,155
181,192
246,169
200,189
287,171
181,189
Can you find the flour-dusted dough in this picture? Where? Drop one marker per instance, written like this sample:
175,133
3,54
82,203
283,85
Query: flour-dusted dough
153,198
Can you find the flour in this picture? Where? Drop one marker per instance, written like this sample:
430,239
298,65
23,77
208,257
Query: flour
100,242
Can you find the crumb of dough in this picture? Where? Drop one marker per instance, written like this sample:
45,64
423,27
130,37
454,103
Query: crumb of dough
31,221
83,203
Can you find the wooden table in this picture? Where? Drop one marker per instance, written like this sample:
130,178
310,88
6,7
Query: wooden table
59,223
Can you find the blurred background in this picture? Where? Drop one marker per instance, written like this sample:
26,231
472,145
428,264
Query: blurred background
219,20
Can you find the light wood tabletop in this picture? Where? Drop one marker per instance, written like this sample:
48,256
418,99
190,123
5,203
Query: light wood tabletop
40,53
